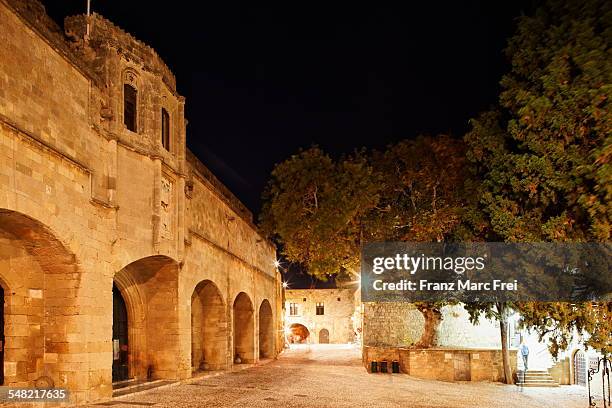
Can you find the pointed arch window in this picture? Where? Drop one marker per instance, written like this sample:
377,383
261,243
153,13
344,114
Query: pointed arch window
130,96
165,129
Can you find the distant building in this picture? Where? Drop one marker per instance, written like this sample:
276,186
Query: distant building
322,315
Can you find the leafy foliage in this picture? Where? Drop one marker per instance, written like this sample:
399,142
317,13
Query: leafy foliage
422,195
545,155
542,158
559,322
315,206
322,210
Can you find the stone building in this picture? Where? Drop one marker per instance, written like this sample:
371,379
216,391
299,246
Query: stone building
321,315
121,255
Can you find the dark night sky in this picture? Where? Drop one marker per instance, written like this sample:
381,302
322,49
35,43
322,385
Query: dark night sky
262,80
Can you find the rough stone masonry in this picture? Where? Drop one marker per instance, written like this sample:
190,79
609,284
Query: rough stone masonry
121,255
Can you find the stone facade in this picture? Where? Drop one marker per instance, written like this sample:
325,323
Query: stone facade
87,205
398,324
338,322
444,364
465,351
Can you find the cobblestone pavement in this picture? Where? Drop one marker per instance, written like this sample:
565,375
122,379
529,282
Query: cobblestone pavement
332,376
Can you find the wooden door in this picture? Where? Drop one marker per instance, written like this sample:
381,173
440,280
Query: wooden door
324,336
120,337
461,365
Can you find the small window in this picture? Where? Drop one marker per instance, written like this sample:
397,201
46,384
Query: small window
293,309
338,299
129,107
320,309
165,129
304,299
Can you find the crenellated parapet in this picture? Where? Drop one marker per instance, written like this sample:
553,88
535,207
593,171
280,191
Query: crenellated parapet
104,33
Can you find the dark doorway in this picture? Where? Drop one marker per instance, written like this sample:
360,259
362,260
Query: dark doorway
120,337
324,336
1,336
266,331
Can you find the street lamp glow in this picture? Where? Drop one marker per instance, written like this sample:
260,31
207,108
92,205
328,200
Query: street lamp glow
276,263
285,285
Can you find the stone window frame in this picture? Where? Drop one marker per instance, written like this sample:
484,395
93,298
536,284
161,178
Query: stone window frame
130,77
320,309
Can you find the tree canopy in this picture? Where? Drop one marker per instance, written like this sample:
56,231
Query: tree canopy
316,206
544,154
540,160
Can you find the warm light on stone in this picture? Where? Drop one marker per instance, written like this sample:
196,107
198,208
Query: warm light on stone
87,205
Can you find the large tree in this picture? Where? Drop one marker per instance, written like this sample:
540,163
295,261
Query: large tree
315,208
542,157
322,210
422,200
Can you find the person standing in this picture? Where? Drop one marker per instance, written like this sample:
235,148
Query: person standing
524,353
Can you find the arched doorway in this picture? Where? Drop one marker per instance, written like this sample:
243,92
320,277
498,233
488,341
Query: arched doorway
149,289
208,328
244,342
35,270
324,336
580,368
120,337
266,330
298,333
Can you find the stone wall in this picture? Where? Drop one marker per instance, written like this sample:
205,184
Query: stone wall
400,324
338,318
86,204
464,350
561,372
444,364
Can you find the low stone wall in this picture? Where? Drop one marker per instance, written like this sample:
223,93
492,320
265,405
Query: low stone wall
560,372
444,364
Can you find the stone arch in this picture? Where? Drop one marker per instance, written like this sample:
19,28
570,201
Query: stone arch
323,336
266,330
208,328
298,333
244,330
149,288
40,280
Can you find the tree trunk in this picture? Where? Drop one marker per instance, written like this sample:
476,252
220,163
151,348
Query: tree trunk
503,328
433,317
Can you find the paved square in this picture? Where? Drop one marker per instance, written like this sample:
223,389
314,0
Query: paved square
332,376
